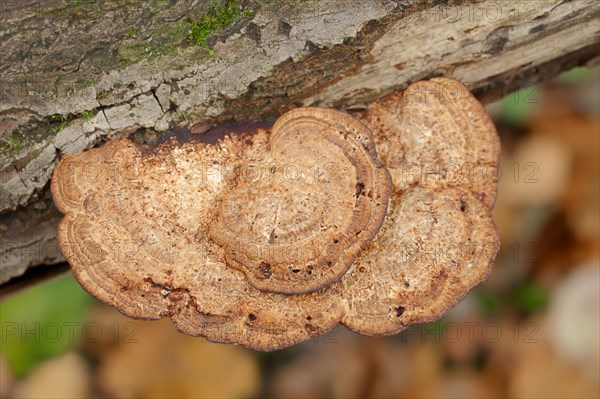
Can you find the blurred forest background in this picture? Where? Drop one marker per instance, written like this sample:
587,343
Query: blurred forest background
532,330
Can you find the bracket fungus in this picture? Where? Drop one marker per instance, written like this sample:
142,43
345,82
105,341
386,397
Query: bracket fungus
377,220
324,200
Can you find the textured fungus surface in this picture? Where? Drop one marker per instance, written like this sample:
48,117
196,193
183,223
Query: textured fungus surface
236,245
298,218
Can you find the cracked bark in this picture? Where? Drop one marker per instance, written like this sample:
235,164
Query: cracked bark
130,66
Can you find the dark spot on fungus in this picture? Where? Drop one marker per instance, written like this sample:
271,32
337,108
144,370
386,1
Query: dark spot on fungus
265,269
295,270
251,317
463,205
360,186
310,328
399,311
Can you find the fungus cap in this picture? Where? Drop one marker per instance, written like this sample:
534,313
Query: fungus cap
323,199
141,232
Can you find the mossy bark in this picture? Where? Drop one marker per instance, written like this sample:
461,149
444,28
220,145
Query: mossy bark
75,73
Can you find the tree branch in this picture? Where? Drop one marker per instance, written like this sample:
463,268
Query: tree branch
123,68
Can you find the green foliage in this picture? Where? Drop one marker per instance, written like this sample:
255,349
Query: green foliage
490,303
517,107
526,297
42,322
578,75
217,18
529,297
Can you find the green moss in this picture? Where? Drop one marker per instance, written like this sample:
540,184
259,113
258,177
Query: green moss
157,3
79,3
132,32
217,18
165,40
78,8
63,119
18,143
15,141
171,36
83,84
60,117
102,94
13,146
5,149
59,127
183,114
87,115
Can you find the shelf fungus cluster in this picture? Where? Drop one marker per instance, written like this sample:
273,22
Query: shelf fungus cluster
376,220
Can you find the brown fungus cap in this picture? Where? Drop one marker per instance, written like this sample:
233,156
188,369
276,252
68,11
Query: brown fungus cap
299,226
152,233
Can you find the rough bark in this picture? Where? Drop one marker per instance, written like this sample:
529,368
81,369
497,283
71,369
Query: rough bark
75,73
